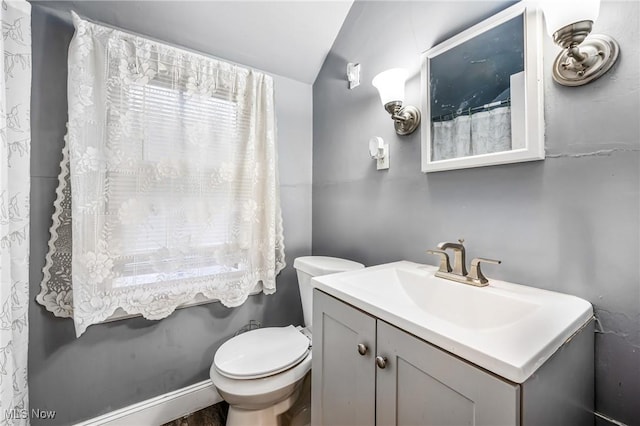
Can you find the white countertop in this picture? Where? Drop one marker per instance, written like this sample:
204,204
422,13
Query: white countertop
505,328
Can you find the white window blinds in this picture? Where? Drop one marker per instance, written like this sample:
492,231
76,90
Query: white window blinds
173,176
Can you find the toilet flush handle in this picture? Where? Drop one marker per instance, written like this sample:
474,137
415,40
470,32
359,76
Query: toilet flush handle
362,349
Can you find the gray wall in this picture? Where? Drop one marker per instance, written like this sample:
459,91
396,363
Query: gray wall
117,364
569,223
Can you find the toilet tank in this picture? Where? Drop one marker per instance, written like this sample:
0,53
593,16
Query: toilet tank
308,267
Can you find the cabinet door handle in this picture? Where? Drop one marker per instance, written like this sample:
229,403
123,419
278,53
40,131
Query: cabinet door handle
362,349
381,361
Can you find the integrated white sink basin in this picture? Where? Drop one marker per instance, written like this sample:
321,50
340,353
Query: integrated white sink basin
465,307
506,328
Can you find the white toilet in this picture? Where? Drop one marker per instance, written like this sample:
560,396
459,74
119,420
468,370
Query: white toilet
260,373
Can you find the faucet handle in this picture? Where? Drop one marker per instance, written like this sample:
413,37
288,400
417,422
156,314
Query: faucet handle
476,273
445,266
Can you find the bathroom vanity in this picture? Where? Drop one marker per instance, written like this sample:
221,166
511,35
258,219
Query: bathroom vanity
394,345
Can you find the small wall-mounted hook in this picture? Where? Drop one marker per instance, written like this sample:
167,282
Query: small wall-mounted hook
380,152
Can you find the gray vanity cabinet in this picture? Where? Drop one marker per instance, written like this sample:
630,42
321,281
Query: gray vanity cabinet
423,385
417,383
343,382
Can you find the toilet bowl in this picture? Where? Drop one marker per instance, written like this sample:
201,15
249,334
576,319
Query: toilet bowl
261,373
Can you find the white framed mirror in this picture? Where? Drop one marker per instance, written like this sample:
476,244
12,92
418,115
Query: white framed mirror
482,94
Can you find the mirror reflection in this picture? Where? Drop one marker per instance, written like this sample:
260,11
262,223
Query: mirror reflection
477,94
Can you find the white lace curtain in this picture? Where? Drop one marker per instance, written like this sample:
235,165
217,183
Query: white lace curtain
479,133
15,93
173,178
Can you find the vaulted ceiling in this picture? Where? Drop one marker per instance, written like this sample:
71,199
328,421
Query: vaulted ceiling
289,38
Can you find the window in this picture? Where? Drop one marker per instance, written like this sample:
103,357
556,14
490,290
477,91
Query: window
173,178
162,136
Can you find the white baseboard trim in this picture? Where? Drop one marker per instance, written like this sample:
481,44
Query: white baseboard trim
609,419
161,409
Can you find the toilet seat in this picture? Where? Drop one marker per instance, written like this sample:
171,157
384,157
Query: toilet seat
258,391
261,353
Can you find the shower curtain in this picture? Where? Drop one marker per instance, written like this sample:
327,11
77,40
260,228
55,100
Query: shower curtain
480,133
15,92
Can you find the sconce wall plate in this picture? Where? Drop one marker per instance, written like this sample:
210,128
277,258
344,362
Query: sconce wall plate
405,119
585,58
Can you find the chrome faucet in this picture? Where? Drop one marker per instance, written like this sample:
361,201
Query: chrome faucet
459,259
459,271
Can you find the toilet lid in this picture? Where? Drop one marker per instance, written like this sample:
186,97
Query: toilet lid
261,353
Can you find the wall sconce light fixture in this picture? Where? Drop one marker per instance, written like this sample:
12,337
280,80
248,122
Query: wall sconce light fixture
583,59
390,85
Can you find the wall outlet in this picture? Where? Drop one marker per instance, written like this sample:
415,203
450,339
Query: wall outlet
379,151
383,162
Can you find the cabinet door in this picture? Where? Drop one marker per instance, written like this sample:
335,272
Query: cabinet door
423,385
343,380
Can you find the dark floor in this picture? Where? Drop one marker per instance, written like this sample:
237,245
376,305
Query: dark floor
216,415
